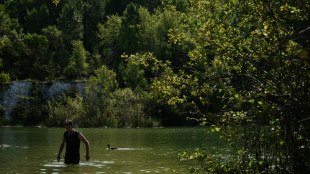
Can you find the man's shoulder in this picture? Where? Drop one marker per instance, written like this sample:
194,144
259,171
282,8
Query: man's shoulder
76,132
73,132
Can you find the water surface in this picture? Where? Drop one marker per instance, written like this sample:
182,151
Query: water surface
34,150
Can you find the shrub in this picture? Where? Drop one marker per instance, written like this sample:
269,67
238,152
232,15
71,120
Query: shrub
3,119
63,108
19,114
127,109
4,78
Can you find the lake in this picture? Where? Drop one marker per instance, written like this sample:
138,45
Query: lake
144,150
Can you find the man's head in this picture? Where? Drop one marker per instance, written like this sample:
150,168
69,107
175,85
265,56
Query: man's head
69,125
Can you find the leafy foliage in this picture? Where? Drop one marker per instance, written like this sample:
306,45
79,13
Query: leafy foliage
134,77
66,107
125,109
70,21
77,66
239,67
35,55
249,62
108,35
37,19
4,78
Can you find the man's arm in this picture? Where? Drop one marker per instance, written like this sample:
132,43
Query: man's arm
82,138
61,148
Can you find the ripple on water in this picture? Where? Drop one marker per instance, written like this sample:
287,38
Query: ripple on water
54,165
92,164
107,162
146,171
132,149
98,164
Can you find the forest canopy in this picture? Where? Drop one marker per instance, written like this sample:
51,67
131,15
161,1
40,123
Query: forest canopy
238,67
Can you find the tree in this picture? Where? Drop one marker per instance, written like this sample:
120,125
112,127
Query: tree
160,74
106,79
133,76
58,52
255,68
68,106
129,29
150,5
34,56
98,89
4,78
141,31
115,7
94,14
10,44
77,66
126,109
37,19
70,21
154,35
109,44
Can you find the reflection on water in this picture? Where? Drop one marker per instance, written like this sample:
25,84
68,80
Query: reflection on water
34,150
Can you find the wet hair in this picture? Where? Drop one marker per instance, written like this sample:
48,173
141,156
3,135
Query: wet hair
68,122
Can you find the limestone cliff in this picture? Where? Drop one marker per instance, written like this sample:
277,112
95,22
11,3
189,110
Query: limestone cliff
15,92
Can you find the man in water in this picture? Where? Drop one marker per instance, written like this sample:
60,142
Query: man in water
72,140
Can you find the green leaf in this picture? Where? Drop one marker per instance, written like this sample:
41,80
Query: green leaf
236,95
204,123
250,163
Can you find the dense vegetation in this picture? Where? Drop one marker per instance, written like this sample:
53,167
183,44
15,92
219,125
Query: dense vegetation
239,67
83,41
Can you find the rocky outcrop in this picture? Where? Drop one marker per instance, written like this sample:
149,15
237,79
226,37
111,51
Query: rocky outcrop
15,92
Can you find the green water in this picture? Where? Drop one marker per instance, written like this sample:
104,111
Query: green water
34,150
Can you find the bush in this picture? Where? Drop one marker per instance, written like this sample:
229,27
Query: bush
19,114
3,120
126,108
65,107
2,111
4,78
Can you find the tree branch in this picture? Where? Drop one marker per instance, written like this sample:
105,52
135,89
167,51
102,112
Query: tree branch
294,36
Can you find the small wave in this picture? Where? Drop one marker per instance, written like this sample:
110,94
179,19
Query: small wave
9,146
133,148
54,165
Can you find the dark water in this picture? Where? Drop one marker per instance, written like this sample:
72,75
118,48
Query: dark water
34,150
